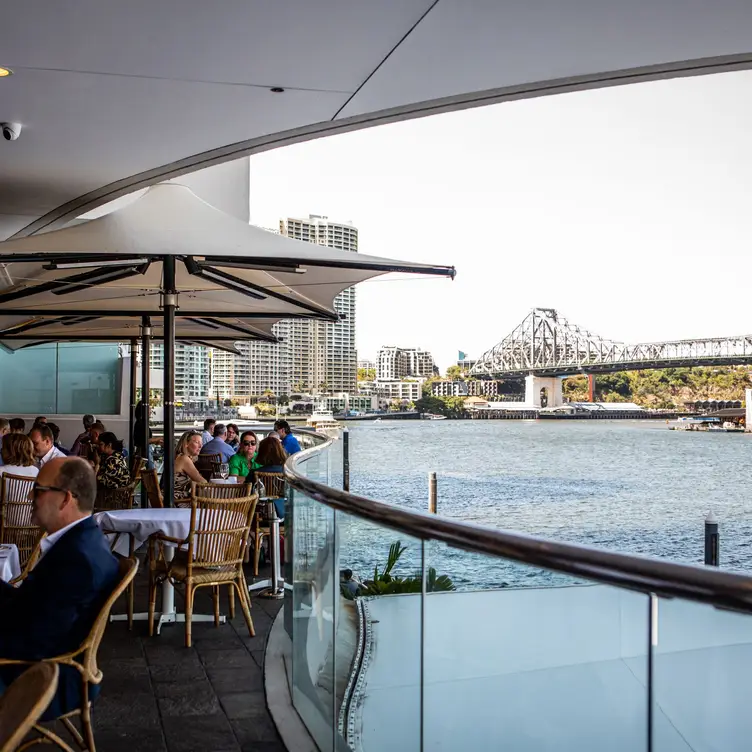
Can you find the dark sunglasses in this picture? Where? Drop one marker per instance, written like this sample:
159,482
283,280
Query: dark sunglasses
37,489
249,443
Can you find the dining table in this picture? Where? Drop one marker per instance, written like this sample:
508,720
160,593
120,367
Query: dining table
10,565
140,525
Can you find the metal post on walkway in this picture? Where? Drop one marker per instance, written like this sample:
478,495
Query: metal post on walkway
712,541
132,417
169,304
432,493
345,459
143,440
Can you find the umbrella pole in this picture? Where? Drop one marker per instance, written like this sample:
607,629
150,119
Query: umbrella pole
132,423
143,440
169,304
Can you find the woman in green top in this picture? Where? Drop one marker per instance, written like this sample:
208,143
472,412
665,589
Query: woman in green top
244,460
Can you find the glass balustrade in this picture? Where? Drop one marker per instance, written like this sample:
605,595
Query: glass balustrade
403,642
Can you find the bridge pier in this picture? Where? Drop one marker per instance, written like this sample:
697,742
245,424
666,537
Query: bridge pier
543,391
591,387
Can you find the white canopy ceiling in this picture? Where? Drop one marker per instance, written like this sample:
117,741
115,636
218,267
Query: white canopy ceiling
117,95
224,267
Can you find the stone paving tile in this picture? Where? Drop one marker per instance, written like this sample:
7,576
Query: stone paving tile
200,734
159,696
232,680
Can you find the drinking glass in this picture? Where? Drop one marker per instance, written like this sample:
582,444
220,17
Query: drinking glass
224,471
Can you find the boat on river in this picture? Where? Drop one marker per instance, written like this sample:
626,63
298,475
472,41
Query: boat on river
706,424
323,421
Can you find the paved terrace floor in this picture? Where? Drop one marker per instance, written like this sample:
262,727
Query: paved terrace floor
159,696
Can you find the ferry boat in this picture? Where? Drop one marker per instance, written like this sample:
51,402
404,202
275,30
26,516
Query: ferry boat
706,424
323,421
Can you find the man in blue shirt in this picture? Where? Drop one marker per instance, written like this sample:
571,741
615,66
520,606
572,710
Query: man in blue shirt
289,442
218,445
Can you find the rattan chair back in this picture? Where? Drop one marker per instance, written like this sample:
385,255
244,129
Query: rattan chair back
150,481
219,531
115,498
220,490
24,702
207,464
274,483
138,465
87,652
15,515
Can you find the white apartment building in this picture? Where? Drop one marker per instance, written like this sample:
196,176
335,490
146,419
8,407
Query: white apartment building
450,389
261,366
367,365
192,370
322,354
312,356
400,362
399,390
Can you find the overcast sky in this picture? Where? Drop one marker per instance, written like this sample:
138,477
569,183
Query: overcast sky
627,209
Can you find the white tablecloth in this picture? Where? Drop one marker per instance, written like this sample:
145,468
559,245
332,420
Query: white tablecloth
141,523
9,563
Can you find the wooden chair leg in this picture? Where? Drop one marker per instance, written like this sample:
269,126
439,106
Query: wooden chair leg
257,554
189,593
131,587
232,602
86,726
245,604
152,602
215,598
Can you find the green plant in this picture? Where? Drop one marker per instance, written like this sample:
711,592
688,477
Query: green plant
384,583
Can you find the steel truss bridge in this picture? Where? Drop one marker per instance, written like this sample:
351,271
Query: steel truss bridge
546,344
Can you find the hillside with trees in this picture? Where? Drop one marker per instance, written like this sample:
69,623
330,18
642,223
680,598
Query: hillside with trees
665,388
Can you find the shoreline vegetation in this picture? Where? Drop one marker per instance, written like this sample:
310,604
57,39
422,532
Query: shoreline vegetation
660,389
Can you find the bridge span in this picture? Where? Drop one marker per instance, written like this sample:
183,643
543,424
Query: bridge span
546,344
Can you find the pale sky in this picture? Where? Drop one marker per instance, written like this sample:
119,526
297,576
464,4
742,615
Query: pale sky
627,209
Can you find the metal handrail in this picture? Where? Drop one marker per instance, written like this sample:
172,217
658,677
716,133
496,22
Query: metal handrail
641,573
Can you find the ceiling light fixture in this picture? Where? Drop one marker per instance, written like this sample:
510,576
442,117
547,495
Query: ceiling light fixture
5,72
95,264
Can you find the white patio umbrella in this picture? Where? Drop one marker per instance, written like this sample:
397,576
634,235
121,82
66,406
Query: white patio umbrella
170,251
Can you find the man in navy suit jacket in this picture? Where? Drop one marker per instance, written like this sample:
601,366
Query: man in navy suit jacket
54,608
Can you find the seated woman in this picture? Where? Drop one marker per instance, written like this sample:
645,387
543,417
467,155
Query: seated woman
271,459
18,456
187,451
111,465
244,460
233,432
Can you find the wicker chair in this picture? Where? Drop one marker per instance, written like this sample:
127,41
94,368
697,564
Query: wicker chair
211,556
138,465
150,481
208,464
84,660
274,483
114,498
24,702
15,516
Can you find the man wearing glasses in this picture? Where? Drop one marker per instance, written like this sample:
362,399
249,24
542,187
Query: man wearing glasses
244,460
53,609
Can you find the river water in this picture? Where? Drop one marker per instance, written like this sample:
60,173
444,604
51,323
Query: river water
621,485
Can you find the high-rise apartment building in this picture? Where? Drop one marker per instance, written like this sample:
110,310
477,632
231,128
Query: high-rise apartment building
312,355
322,354
192,371
401,362
261,366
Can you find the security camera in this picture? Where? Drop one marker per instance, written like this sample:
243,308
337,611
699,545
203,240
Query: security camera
11,131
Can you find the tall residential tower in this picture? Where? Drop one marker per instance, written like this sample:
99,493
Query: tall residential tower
322,355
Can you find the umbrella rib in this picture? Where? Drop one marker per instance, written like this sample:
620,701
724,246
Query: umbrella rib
231,282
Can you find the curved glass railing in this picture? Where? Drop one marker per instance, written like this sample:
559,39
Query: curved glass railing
537,645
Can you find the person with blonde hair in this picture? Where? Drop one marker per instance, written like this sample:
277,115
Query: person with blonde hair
18,456
186,452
